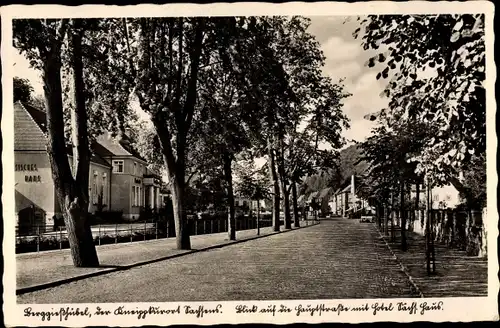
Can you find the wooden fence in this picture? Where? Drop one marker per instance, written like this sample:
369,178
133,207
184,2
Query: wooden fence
464,230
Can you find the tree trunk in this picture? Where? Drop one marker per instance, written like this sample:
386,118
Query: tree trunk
286,194
180,216
231,223
72,193
393,212
258,217
403,218
83,251
417,205
429,236
386,219
283,181
276,188
296,219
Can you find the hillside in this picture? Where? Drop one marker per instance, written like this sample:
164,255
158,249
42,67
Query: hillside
349,163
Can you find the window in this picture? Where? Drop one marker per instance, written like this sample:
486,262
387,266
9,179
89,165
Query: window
136,196
94,189
104,189
118,166
135,168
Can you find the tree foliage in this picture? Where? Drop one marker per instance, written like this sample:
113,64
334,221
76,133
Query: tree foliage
437,64
22,90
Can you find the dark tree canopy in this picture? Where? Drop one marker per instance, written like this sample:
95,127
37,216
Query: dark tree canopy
22,90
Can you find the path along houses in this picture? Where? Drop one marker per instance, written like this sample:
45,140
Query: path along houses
119,178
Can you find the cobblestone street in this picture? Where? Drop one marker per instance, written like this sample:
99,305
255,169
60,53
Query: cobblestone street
338,258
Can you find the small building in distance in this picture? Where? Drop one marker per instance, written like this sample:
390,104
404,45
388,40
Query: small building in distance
346,201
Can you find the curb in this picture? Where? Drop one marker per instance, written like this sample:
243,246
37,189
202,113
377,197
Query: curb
402,266
56,283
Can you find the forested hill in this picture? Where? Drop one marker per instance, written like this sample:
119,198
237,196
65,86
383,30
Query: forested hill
350,162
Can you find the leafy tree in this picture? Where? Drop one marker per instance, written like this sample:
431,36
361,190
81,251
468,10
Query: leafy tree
224,130
164,56
253,184
438,68
296,92
324,127
82,100
41,41
38,101
389,151
22,90
260,72
474,182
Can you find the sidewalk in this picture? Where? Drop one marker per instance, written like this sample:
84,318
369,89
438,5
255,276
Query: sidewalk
457,275
37,271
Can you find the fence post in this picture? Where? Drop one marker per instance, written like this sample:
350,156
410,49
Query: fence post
168,227
116,233
156,230
60,237
131,238
393,233
211,226
37,238
145,226
195,227
204,226
99,237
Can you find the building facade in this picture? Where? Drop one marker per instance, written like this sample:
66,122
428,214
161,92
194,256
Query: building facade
346,200
119,179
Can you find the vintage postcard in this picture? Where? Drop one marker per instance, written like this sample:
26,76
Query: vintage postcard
249,163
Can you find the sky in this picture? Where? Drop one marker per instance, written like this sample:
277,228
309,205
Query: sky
345,58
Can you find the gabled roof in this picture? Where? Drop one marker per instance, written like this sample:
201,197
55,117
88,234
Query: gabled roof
30,132
118,146
346,188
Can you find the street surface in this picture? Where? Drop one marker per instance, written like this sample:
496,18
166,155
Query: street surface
338,258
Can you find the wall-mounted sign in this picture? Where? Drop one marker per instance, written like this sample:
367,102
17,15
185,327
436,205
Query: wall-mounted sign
32,178
26,167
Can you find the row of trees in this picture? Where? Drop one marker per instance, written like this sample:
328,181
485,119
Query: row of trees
215,89
435,124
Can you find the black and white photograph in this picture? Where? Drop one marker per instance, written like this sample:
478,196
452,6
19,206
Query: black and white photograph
234,164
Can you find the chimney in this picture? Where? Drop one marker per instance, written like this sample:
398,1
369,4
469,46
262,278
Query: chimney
353,190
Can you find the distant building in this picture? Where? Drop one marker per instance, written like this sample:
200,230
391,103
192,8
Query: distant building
247,203
119,179
346,199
